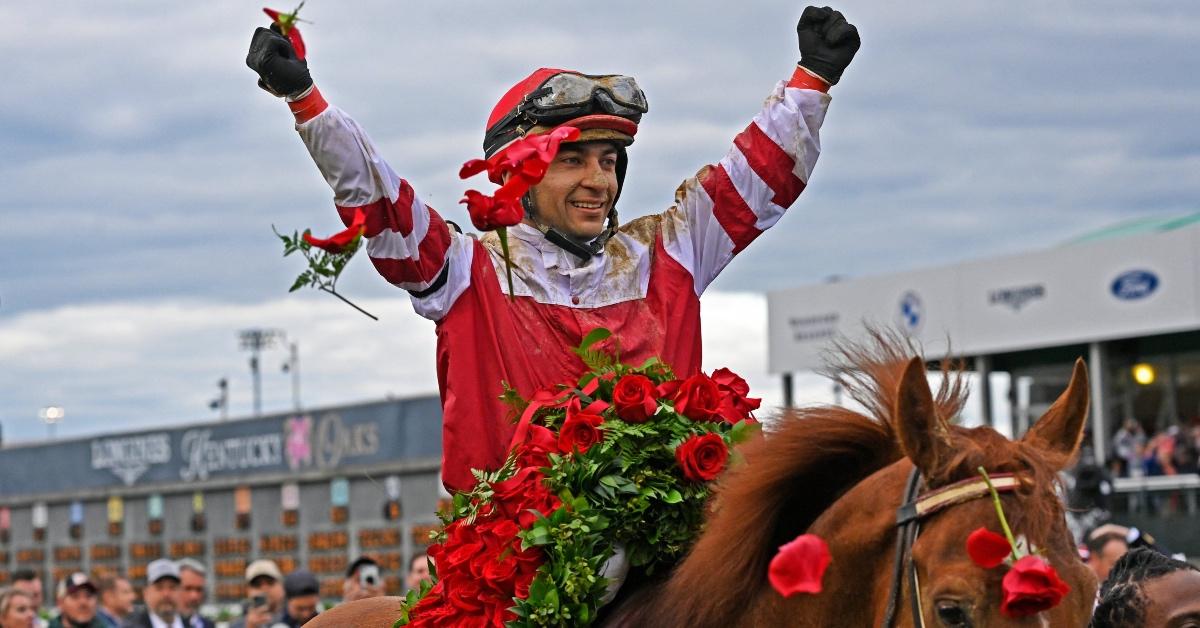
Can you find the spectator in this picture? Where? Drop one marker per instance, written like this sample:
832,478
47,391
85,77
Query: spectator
1105,548
362,580
418,571
1128,443
116,600
193,580
16,609
27,580
303,597
1147,588
76,598
264,595
162,577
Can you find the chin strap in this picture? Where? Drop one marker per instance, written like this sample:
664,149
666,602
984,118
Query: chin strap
583,250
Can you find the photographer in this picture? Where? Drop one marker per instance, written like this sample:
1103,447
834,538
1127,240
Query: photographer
363,580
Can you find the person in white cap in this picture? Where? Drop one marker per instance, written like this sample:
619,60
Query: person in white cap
264,595
162,586
76,597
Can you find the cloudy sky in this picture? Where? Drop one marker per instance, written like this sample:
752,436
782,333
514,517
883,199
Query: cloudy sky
141,170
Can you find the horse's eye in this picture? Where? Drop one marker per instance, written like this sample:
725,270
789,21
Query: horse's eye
952,615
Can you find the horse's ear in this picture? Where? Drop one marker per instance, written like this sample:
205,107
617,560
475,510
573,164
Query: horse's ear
922,432
1061,428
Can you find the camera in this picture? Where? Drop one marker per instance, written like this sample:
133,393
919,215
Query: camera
368,575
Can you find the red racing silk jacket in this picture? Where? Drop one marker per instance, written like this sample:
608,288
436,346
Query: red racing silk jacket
645,285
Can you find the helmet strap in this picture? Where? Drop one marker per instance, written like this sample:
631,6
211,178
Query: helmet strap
583,250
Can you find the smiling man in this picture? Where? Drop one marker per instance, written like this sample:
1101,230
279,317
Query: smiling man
576,267
1149,590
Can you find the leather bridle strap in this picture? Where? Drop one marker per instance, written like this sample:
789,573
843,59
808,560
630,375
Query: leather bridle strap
910,492
908,520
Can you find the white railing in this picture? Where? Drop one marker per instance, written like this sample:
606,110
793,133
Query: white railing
1140,490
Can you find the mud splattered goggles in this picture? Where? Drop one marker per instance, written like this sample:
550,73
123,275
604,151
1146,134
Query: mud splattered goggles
568,94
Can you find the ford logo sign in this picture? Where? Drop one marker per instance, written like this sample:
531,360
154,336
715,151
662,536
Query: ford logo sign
1134,285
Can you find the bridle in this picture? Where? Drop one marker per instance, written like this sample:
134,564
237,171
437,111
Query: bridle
908,519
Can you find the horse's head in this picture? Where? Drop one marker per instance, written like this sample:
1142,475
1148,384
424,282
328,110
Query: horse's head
954,591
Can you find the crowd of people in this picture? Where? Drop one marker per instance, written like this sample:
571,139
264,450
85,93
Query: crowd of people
176,591
1171,451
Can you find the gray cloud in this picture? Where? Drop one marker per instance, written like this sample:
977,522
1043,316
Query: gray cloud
142,167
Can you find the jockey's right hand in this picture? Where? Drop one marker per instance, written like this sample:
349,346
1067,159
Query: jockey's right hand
279,71
827,42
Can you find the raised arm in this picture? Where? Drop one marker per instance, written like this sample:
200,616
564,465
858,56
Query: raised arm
407,241
726,206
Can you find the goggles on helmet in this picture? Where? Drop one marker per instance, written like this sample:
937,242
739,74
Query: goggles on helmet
564,96
570,94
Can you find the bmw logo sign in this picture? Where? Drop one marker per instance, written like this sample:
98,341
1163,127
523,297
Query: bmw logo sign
1134,284
910,314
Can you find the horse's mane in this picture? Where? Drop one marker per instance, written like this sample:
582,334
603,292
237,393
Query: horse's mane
810,458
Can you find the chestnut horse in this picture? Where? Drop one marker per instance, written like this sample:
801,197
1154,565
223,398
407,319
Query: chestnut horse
841,474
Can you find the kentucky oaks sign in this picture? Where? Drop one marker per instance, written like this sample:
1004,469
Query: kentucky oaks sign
367,434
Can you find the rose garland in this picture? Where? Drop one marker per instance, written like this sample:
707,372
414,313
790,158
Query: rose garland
623,457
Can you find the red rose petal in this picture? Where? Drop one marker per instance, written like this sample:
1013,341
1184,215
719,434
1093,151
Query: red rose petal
987,549
799,566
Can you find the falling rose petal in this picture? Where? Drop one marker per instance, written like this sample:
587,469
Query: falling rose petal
1030,587
987,549
799,566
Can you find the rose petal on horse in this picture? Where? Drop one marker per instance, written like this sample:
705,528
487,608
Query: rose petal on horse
338,242
987,549
702,458
1030,587
799,566
635,398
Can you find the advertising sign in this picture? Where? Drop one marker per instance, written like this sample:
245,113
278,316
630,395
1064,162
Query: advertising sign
367,434
1099,290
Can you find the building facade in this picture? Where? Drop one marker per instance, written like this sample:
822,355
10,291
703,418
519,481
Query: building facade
313,490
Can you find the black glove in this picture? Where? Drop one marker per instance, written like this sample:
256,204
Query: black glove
827,42
280,72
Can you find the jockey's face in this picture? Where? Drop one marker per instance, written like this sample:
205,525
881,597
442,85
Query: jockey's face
578,190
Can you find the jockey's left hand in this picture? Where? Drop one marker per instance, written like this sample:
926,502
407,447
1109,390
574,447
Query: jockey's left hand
827,42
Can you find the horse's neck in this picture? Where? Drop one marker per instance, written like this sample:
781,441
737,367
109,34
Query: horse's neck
860,529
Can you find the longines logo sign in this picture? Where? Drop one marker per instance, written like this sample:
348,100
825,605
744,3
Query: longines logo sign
129,457
1018,297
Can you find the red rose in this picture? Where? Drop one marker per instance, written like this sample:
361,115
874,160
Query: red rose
539,444
635,398
580,430
338,242
735,405
698,398
287,27
702,458
510,496
987,549
799,566
1030,587
489,213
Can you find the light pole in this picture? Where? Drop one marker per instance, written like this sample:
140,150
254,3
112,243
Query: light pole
222,401
293,366
254,341
51,416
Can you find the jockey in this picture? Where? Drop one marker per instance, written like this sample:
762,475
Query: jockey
575,266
